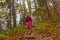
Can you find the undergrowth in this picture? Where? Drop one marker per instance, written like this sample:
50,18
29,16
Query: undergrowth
40,26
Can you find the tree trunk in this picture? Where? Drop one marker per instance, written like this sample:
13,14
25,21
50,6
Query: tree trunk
56,7
0,25
9,15
39,2
29,6
24,13
13,13
48,10
35,4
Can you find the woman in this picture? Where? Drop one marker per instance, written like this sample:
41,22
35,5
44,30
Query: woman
29,22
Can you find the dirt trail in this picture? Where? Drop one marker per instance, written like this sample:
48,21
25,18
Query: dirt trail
26,35
33,34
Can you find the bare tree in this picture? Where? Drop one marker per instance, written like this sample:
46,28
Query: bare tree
23,11
13,14
45,3
9,17
29,6
48,9
56,7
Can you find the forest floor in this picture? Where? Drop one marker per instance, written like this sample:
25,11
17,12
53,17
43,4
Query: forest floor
36,33
33,34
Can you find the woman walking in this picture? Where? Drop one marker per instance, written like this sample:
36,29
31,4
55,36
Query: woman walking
29,22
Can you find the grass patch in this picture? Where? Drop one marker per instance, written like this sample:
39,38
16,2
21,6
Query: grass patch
42,26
